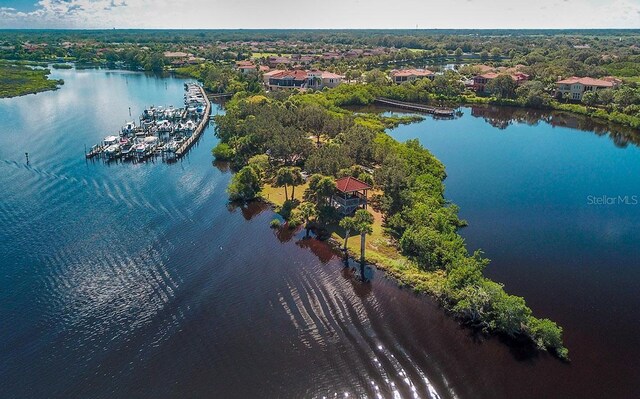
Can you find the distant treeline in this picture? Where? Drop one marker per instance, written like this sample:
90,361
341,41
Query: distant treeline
412,38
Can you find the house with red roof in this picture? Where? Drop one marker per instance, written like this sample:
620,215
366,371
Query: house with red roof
318,80
246,66
480,81
294,79
351,194
410,75
299,79
574,87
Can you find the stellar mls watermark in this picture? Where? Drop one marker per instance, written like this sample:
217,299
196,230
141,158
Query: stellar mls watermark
605,200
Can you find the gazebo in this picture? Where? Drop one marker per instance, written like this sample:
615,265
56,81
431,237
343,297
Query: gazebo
351,194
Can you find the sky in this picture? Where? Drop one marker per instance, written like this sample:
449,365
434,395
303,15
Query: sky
251,14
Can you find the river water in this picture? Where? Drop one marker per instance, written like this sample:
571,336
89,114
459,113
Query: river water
139,280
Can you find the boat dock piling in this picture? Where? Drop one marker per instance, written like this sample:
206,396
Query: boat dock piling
437,111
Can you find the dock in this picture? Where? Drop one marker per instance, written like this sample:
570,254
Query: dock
168,132
436,111
201,126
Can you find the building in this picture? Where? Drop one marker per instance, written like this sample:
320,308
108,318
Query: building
351,194
575,87
410,75
480,81
274,61
295,79
299,79
246,67
318,80
268,74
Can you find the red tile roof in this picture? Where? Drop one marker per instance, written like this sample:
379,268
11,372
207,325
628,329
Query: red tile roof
350,184
586,82
411,72
295,75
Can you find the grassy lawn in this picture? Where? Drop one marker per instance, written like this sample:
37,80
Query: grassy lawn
275,195
21,80
379,249
631,79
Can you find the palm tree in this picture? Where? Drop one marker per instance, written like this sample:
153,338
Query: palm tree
348,224
284,178
296,180
364,221
307,211
326,187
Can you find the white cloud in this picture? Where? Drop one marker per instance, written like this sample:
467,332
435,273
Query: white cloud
328,14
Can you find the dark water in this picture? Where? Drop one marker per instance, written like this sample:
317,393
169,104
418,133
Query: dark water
139,281
528,183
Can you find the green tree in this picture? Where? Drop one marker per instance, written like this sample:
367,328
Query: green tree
307,211
284,178
502,86
154,62
363,224
458,53
590,98
296,180
223,152
260,163
320,189
245,185
348,224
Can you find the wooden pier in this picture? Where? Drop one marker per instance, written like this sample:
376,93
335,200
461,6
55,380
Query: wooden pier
196,133
436,111
220,95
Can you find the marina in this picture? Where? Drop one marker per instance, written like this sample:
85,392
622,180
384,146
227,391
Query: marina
168,132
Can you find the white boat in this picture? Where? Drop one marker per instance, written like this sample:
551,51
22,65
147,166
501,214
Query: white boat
110,140
141,150
113,150
129,128
126,150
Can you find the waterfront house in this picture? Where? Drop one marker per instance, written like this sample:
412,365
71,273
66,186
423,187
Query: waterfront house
268,74
410,75
295,79
575,87
320,79
299,79
351,194
480,81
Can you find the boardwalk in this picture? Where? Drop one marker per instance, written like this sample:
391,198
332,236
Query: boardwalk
437,111
201,126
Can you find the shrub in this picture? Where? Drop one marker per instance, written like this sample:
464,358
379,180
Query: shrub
223,152
275,223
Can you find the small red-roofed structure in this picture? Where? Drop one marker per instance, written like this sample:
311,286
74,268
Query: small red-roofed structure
351,195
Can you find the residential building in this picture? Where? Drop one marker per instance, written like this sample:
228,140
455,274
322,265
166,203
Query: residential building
268,74
288,80
575,87
318,80
410,75
480,81
274,61
246,66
